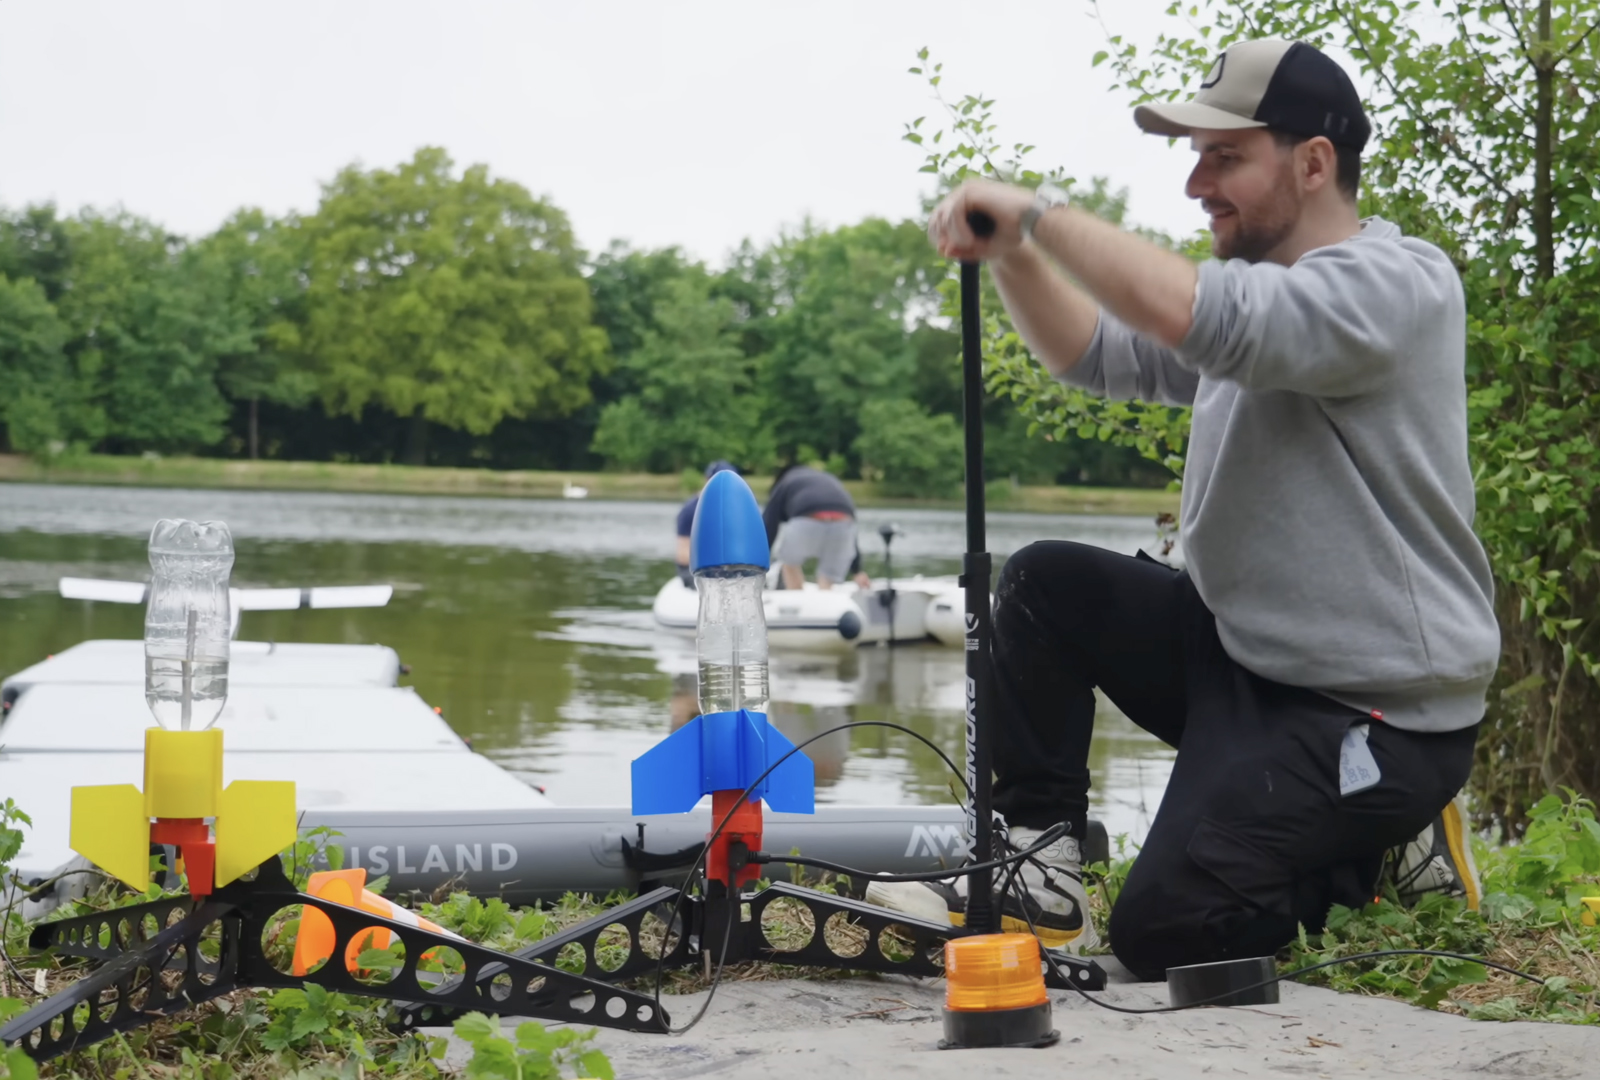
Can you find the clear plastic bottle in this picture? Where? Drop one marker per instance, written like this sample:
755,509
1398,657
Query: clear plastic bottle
187,623
731,638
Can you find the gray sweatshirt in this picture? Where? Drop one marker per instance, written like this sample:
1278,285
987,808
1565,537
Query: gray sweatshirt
1327,499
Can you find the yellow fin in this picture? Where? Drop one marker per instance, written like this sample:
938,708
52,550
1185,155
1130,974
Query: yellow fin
255,821
110,830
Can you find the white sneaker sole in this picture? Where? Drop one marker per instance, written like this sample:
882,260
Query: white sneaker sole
910,898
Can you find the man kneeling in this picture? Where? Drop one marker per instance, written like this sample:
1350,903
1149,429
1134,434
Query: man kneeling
1322,663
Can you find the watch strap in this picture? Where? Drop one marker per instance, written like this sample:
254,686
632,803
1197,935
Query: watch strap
1046,198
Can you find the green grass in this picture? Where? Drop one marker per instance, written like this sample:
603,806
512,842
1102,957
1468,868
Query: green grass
196,472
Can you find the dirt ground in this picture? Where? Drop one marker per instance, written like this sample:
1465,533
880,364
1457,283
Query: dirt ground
890,1027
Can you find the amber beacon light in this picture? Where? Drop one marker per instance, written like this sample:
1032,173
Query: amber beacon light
994,993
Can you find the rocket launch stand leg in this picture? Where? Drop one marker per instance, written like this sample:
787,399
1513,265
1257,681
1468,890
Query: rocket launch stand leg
167,956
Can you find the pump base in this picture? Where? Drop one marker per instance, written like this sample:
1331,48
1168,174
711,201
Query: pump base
1027,1028
1225,982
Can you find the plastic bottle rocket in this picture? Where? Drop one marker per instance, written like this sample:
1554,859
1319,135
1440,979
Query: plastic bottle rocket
726,748
221,833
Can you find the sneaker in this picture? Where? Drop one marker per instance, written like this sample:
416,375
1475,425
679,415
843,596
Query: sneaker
1439,859
1051,884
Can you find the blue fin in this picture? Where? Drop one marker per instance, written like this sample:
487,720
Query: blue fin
667,778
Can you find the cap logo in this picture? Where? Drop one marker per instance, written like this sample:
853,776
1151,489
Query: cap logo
1214,76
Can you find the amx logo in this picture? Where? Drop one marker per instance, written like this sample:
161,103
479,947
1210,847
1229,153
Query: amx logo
972,622
935,840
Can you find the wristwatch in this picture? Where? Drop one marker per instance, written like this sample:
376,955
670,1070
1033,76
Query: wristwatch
1048,197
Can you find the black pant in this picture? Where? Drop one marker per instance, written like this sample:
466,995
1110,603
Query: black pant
1252,836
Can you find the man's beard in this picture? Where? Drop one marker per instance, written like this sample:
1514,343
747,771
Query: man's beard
1258,235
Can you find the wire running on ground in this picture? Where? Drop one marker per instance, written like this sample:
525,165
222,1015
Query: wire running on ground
1013,879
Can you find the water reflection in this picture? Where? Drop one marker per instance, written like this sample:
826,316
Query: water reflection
527,622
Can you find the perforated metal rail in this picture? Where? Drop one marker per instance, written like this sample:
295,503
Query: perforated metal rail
781,924
161,958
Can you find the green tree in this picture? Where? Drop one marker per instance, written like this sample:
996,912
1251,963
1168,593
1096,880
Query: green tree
35,243
692,394
145,337
258,264
908,451
35,382
845,304
455,301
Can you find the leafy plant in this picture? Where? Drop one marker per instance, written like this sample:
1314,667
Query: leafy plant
1556,864
15,1065
537,1053
314,850
491,922
1532,918
316,1017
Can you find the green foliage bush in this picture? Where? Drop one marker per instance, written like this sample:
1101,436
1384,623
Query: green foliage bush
907,451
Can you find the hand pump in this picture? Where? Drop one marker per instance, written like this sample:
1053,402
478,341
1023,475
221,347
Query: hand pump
982,917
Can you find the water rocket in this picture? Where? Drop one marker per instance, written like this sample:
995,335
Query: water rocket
721,754
221,833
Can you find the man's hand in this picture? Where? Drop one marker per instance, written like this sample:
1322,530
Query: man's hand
953,237
863,582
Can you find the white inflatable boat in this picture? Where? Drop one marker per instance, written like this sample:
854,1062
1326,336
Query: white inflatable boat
839,618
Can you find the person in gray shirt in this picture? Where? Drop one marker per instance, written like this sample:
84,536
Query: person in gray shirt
1322,661
809,515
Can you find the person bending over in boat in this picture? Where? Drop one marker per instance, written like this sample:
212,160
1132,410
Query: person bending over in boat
686,522
819,522
1321,663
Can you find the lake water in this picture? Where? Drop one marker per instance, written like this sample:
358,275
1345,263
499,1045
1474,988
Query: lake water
528,623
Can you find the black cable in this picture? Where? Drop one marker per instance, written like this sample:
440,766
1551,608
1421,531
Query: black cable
1048,837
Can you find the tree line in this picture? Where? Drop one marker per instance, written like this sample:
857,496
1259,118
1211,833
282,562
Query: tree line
431,315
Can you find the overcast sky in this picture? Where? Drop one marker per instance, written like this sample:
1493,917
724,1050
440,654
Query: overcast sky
688,122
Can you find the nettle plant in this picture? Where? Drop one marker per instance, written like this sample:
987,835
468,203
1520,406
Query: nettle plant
1486,117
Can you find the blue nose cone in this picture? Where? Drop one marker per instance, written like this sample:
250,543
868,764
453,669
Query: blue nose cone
728,530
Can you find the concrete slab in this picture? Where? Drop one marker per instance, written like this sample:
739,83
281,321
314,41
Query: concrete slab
889,1027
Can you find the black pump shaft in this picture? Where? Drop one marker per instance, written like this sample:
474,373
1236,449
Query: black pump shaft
982,915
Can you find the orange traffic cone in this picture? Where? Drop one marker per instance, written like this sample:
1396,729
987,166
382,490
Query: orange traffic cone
316,939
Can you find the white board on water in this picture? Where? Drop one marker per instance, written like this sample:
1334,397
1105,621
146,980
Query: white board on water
113,717
111,592
381,781
252,663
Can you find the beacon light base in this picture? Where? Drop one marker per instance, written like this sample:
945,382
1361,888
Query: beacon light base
995,993
1226,982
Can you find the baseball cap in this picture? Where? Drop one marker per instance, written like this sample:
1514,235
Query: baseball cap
1268,83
